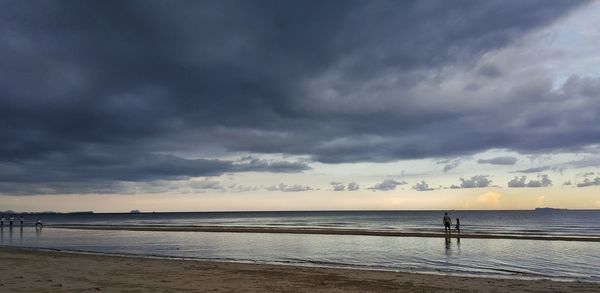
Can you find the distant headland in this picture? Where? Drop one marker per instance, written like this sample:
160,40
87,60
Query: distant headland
546,209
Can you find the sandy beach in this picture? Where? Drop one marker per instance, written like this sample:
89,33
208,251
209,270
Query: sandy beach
24,270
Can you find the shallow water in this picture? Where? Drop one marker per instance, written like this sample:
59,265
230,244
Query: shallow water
554,223
561,260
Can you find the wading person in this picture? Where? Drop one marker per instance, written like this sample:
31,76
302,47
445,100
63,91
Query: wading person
447,223
39,225
458,225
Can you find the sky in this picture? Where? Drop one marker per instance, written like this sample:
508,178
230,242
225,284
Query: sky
112,106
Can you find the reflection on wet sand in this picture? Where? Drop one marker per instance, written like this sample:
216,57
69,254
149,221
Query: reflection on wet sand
448,246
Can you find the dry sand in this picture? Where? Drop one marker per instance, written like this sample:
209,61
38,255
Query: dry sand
24,270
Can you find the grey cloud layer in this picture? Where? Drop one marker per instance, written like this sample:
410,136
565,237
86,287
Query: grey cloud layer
499,161
132,167
534,170
96,90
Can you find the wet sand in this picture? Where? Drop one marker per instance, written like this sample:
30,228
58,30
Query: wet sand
24,270
328,231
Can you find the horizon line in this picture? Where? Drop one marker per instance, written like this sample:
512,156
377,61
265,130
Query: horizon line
297,211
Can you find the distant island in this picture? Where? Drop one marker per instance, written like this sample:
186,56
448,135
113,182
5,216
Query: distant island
28,213
548,209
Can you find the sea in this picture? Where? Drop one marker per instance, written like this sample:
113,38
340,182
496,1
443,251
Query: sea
510,257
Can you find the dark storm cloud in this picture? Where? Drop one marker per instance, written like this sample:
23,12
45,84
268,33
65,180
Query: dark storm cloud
96,90
85,173
132,167
499,161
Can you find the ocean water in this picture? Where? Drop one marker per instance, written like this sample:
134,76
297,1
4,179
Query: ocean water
585,223
511,258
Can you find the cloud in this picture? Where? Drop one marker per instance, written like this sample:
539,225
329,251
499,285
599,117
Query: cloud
338,186
589,182
585,174
241,188
450,164
288,188
353,186
490,71
518,182
499,161
206,184
476,181
101,173
588,161
276,166
128,87
422,186
544,181
533,170
387,184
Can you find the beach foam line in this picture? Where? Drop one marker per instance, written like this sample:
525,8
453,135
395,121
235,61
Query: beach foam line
320,231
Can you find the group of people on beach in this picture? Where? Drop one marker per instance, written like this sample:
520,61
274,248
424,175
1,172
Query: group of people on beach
11,219
447,221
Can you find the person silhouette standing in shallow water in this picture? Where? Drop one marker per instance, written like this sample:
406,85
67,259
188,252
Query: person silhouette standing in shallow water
22,220
458,225
2,222
447,222
11,220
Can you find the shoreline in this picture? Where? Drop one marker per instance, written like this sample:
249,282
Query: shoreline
306,265
319,231
33,270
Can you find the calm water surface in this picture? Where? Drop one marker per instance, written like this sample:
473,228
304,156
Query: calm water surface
565,223
562,260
